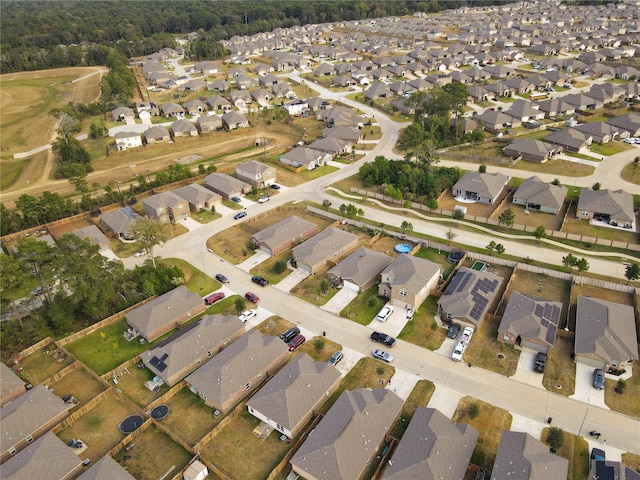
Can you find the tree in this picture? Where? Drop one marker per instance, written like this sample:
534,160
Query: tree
540,232
406,226
596,186
451,235
68,124
351,210
482,169
582,265
507,218
555,438
240,304
458,215
555,181
473,410
569,261
632,272
279,267
500,249
99,129
491,247
326,203
149,233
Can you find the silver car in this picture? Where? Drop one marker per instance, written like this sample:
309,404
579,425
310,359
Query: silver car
382,355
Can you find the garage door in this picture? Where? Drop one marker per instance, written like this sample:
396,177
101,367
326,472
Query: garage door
351,286
534,346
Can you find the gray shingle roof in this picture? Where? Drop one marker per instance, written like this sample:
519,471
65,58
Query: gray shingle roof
537,192
285,230
106,469
520,456
487,185
9,381
120,220
226,184
531,317
616,203
323,245
411,273
196,193
361,266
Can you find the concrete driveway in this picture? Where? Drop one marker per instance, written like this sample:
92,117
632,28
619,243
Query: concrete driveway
525,372
253,261
393,325
263,314
339,301
584,388
291,280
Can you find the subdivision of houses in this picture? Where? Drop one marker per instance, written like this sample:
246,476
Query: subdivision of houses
360,270
256,173
480,187
166,207
198,197
11,385
534,194
614,207
120,221
226,185
407,281
283,235
327,246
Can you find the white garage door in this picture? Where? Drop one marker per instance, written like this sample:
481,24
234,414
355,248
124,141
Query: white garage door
351,286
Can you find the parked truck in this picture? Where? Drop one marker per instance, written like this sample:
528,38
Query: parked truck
462,344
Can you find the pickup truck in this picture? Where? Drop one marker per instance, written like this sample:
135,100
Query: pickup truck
384,338
462,344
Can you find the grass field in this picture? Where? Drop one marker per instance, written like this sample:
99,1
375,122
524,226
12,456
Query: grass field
627,402
560,372
363,308
131,381
423,330
631,174
195,280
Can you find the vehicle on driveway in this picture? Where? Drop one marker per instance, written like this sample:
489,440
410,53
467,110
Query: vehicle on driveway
221,278
247,315
384,313
239,215
213,298
598,379
263,199
236,199
289,334
263,282
454,329
335,358
383,338
462,344
598,455
275,186
382,355
541,362
297,341
252,297
140,253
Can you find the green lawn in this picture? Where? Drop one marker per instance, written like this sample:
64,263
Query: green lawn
265,269
205,216
364,307
318,172
606,149
423,329
11,171
439,257
195,280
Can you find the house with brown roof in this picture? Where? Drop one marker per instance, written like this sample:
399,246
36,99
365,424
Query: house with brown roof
468,297
121,114
156,134
233,120
629,122
106,469
305,157
407,281
481,187
612,206
120,221
198,197
238,369
570,139
27,418
289,399
327,246
166,207
126,140
283,235
11,385
532,150
226,185
343,444
332,146
187,349
432,448
360,270
530,322
93,233
256,174
209,123
166,312
534,194
605,334
523,457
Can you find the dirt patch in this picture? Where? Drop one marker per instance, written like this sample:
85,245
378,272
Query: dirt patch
535,218
43,364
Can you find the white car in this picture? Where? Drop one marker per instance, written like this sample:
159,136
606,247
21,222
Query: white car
384,313
263,199
140,253
247,315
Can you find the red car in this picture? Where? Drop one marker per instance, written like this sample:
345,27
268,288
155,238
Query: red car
296,342
252,297
213,298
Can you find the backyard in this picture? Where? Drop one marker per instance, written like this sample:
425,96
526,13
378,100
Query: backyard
43,364
584,228
539,285
437,256
81,384
190,419
131,381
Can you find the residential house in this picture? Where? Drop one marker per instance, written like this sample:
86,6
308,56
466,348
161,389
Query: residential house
256,174
524,457
605,334
296,107
196,471
267,81
198,197
27,418
629,122
341,116
122,114
556,107
166,312
331,451
120,222
305,157
481,187
106,469
530,322
183,128
233,120
468,297
283,235
207,68
150,107
125,140
344,132
324,70
360,270
172,110
408,281
494,121
327,246
281,90
209,123
524,111
11,385
614,207
196,107
600,132
93,233
531,150
610,470
219,103
156,134
534,194
332,146
48,457
289,399
583,102
378,90
238,369
432,448
188,348
570,139
166,207
226,185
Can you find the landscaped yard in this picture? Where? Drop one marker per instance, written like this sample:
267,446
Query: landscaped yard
485,351
423,330
364,307
536,218
490,422
266,268
205,216
195,280
189,417
627,402
311,288
43,364
154,456
582,227
439,257
630,173
560,372
131,381
319,349
576,450
79,383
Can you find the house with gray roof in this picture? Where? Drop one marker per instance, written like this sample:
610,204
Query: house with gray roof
432,448
48,457
629,122
407,281
126,140
305,157
256,173
524,111
610,470
166,207
530,322
346,440
360,270
217,103
172,109
183,128
226,185
106,469
378,90
570,139
520,456
556,107
614,207
495,121
198,197
532,150
197,107
605,334
27,418
289,399
188,348
233,120
534,194
601,132
283,235
327,246
156,134
481,187
209,123
93,233
344,132
123,113
238,369
120,221
166,312
332,146
11,385
468,297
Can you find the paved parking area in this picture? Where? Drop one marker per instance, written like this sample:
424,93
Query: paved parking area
584,390
291,280
263,314
351,357
402,383
339,301
445,399
393,325
525,372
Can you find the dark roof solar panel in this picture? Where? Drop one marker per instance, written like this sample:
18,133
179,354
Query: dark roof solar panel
154,361
464,281
538,310
550,337
555,315
161,367
547,311
451,288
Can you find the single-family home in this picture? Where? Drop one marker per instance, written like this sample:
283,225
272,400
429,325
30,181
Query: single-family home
605,334
495,121
305,157
407,281
378,90
106,469
218,103
209,123
283,235
125,140
196,107
166,207
570,139
93,233
172,110
524,111
611,470
556,107
331,451
600,132
238,369
629,122
198,197
226,185
360,270
183,128
344,132
522,456
534,194
614,207
432,448
120,221
341,116
256,174
296,107
480,187
327,246
324,70
149,107
166,312
289,399
233,120
156,134
121,114
531,150
333,146
207,68
11,385
184,351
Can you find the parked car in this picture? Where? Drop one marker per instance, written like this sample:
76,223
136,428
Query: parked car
384,313
540,363
454,330
236,199
335,358
252,297
598,379
297,341
383,338
598,455
213,298
382,355
247,315
37,290
239,215
263,199
263,282
289,334
140,253
221,278
275,186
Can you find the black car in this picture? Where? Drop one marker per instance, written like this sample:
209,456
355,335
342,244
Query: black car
275,186
263,282
598,379
221,278
236,199
290,334
541,362
454,329
383,338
